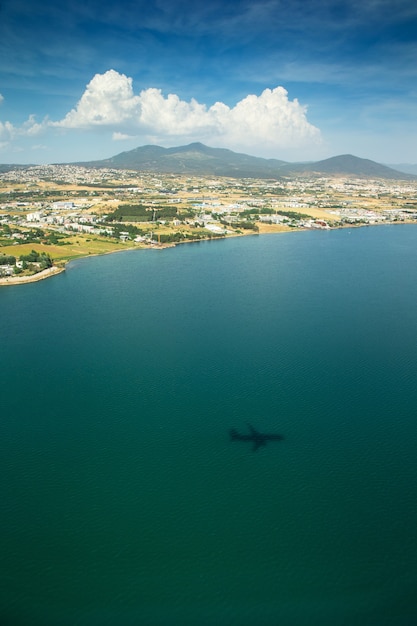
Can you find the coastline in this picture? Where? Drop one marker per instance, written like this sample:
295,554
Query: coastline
9,281
55,270
21,280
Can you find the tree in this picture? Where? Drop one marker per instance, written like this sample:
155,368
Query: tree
32,257
45,261
7,259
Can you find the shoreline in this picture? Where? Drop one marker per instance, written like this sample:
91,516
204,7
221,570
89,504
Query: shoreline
55,270
22,280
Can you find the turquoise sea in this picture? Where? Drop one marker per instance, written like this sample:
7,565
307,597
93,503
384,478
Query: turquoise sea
123,500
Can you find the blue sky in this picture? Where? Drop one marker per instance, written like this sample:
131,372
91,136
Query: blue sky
294,80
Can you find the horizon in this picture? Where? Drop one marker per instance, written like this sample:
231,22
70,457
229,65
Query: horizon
85,81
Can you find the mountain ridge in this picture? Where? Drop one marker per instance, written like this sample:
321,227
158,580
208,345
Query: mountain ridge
347,164
407,168
195,158
200,160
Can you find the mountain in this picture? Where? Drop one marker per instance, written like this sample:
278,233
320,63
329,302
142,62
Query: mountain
196,158
345,165
408,168
8,167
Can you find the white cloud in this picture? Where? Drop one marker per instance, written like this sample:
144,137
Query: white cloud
267,124
30,128
1,98
121,136
270,120
7,131
107,101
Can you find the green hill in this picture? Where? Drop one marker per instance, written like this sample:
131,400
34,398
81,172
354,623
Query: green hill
198,159
345,165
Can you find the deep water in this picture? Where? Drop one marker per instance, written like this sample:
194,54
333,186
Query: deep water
123,500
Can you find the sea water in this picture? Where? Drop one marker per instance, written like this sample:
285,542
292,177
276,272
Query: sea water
123,500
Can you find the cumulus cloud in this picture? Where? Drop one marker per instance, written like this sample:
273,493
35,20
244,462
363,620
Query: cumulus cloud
30,128
270,119
107,101
264,124
7,132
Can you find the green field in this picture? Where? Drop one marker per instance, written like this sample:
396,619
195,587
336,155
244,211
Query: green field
78,246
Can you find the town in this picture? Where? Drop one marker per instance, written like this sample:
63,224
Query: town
54,213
